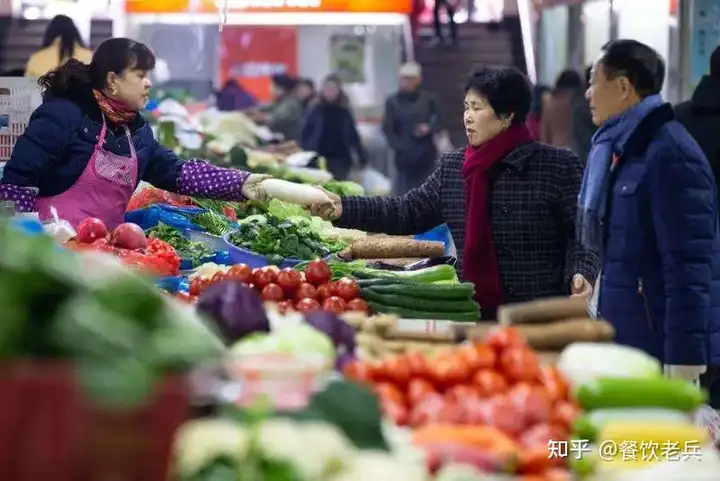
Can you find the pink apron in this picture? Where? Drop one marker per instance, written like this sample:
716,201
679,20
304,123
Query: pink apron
102,191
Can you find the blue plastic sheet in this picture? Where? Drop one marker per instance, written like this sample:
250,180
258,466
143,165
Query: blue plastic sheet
177,217
440,233
174,284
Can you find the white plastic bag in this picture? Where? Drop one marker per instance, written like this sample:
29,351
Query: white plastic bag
61,230
707,417
374,182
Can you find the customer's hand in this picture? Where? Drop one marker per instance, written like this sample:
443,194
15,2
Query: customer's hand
421,130
329,210
252,188
580,287
687,373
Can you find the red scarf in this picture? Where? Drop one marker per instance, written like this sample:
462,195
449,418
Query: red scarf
115,111
480,265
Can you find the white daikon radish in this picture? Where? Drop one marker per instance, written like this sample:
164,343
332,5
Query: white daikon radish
294,193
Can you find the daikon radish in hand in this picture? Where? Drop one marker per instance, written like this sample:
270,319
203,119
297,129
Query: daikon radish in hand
294,193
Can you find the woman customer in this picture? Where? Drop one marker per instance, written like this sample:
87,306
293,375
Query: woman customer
556,124
87,146
510,202
61,42
330,130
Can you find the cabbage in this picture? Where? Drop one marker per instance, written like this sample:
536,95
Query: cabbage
255,343
583,362
283,210
304,340
235,309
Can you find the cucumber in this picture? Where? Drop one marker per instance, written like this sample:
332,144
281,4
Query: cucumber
363,283
651,393
414,303
428,275
470,316
463,291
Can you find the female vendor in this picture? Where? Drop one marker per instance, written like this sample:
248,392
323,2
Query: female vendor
87,146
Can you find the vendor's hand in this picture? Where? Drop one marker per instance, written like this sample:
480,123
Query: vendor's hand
327,210
252,188
687,373
580,287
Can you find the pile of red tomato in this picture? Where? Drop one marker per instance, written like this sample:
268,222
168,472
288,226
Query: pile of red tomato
498,381
309,290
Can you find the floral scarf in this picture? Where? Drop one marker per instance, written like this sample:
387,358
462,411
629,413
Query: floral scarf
115,111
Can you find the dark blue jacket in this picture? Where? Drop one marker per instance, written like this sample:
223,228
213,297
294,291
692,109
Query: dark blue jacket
661,269
59,140
311,138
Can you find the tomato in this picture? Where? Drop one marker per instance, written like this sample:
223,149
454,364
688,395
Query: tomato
199,285
325,290
395,411
461,393
358,371
417,362
262,277
489,382
389,391
183,297
535,462
240,272
477,356
308,304
555,382
218,277
427,411
273,293
532,401
285,306
396,369
448,369
541,435
317,273
289,281
501,338
335,305
359,305
520,364
564,414
347,288
305,291
418,389
500,413
90,230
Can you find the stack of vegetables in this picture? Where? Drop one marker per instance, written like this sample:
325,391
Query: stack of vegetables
489,404
633,416
251,326
128,243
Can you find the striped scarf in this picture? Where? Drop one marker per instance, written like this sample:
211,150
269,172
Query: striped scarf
114,110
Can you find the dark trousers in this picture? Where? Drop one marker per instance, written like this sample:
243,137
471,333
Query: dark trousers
450,13
710,381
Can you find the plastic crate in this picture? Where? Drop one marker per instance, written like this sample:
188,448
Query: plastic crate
19,97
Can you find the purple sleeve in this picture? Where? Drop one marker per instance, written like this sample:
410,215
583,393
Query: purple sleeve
201,179
23,197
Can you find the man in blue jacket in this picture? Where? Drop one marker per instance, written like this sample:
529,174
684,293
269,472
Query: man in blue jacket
648,203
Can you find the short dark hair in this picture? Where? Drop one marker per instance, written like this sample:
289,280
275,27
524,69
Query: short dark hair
568,80
715,63
308,82
506,89
643,66
588,74
113,55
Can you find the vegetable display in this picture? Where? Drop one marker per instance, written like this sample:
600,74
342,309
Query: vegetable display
129,244
278,239
308,290
197,252
492,396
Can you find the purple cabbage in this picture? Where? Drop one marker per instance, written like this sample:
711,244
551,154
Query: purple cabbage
341,333
236,310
